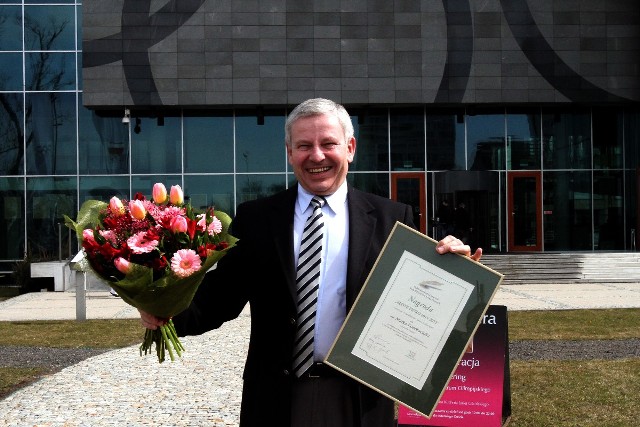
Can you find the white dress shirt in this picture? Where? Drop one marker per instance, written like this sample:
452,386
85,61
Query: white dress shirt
332,302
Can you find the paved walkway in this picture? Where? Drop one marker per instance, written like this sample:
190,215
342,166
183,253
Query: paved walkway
121,388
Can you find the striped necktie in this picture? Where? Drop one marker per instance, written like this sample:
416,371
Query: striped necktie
307,280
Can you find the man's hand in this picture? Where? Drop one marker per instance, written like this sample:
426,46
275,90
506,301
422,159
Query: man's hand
150,321
455,245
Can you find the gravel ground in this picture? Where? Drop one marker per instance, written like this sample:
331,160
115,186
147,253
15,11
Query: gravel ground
59,358
574,350
108,388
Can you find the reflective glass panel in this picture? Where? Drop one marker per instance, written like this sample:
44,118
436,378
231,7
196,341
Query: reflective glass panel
154,148
103,188
50,71
211,190
48,200
445,141
567,208
10,30
208,144
632,139
12,224
143,184
608,210
51,133
523,139
251,187
485,140
472,211
632,205
11,71
607,138
50,1
372,140
376,183
79,31
12,131
407,139
566,140
260,148
103,144
49,28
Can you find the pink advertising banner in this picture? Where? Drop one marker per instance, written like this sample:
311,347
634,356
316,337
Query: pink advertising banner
479,391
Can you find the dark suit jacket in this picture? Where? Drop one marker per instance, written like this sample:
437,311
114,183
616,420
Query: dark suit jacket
260,270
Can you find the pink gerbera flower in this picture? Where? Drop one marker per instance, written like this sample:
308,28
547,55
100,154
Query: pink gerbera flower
215,227
140,243
185,262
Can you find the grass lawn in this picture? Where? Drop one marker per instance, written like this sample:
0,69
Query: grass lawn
544,393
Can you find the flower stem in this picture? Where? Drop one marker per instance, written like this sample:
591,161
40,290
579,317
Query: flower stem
165,341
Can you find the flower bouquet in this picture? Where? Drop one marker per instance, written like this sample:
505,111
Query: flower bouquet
153,253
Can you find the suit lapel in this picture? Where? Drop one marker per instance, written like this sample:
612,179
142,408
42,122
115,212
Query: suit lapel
362,222
281,217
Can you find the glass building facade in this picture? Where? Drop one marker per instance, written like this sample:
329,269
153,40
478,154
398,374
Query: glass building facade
520,178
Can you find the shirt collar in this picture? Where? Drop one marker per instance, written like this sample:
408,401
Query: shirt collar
335,201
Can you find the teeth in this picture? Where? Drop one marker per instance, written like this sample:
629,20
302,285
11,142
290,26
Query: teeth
316,170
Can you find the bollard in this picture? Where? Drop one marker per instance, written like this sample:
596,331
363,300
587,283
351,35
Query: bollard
81,296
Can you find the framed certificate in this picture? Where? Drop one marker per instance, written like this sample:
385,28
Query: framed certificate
413,320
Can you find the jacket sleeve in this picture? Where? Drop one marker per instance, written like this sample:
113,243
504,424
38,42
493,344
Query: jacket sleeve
223,293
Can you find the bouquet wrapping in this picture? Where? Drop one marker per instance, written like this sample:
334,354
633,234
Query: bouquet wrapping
153,253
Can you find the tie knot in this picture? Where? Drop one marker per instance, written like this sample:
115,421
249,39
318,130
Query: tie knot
318,201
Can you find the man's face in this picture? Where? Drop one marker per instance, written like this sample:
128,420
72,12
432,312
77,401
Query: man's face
319,154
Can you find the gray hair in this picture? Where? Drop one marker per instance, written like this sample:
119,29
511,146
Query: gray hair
316,107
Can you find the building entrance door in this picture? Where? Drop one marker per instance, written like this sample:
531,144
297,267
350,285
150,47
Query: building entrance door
525,211
409,188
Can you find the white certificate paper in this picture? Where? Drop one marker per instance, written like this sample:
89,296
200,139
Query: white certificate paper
412,320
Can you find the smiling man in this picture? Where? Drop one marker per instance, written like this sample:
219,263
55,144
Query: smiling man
302,258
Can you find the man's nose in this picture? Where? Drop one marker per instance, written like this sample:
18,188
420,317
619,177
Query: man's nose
317,153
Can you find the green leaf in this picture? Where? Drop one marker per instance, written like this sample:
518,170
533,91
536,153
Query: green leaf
167,296
88,217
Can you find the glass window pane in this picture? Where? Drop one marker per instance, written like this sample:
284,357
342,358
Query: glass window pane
372,140
485,140
10,28
155,148
50,71
12,131
11,71
407,139
376,183
632,139
607,138
51,133
103,144
79,31
260,148
48,200
566,140
608,210
12,224
210,190
208,144
103,188
632,220
567,207
445,141
523,139
251,187
48,1
49,28
144,184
